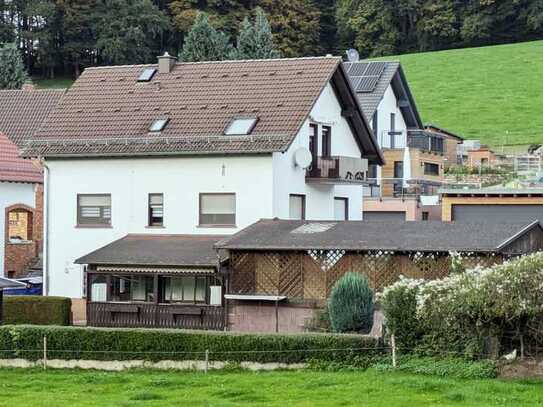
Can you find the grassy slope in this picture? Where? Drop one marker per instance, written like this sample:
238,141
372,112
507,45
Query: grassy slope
301,388
492,93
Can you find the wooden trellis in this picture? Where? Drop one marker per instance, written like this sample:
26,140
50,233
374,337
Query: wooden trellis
310,275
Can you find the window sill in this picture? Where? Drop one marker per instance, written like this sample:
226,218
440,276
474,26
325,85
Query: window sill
155,227
93,227
216,226
20,242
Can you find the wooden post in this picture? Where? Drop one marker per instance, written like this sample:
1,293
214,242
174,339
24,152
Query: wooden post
44,352
276,315
1,305
393,345
206,366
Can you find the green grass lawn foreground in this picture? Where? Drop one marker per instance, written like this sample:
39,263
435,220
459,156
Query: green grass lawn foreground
491,93
20,387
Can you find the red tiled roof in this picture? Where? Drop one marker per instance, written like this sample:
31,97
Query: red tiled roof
14,168
108,112
22,112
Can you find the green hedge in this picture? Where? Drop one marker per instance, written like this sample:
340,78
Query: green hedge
20,341
37,310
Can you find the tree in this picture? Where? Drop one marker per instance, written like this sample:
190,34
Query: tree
12,71
205,43
350,305
255,41
127,31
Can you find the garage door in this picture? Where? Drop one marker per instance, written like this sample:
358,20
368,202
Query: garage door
497,213
383,216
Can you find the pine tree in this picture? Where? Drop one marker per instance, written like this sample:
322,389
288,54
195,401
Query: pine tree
12,71
205,43
255,41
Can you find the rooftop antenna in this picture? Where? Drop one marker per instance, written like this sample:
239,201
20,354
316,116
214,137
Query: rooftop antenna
352,55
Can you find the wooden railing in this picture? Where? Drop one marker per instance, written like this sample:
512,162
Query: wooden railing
158,316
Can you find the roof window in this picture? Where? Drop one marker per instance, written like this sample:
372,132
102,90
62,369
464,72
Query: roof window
241,126
147,75
158,125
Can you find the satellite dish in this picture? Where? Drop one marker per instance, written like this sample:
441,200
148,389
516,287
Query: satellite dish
352,55
302,158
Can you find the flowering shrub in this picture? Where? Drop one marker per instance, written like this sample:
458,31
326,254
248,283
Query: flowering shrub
466,312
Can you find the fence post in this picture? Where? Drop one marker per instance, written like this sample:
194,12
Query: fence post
206,366
393,344
44,352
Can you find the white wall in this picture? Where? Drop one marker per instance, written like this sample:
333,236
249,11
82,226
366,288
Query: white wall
129,181
289,179
388,105
12,193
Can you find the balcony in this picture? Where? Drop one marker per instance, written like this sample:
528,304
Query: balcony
418,139
399,188
337,170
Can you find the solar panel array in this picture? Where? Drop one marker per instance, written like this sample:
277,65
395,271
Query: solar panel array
365,75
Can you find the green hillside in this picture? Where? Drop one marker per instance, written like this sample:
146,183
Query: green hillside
491,93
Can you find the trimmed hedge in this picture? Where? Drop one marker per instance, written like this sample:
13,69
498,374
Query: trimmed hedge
38,310
22,341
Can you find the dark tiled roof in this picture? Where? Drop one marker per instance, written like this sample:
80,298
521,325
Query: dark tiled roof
22,112
157,250
14,168
370,100
107,111
374,235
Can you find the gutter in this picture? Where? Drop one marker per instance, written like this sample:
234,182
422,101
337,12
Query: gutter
45,227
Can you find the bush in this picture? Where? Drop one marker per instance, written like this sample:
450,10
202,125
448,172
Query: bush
468,313
162,344
37,310
351,304
449,367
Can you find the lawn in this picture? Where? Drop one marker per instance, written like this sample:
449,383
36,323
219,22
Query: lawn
491,93
57,83
20,387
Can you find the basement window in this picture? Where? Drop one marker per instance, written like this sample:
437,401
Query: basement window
241,126
147,75
158,125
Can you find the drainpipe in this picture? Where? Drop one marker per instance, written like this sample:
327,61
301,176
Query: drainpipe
45,228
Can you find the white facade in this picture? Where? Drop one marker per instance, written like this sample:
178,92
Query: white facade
12,193
261,183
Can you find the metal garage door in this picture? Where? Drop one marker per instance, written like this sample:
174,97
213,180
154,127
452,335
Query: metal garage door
383,215
497,213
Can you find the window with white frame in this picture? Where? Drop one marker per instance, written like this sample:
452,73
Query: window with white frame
156,210
217,209
297,206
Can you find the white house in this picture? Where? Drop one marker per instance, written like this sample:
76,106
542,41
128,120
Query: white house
197,149
415,158
20,183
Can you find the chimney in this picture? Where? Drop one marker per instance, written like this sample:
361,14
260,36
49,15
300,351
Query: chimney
166,63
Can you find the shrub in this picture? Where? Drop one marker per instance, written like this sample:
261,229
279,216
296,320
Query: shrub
448,367
37,310
167,344
351,304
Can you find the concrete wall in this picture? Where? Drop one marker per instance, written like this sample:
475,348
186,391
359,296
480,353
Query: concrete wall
12,193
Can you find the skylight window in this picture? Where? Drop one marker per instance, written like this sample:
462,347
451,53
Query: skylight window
158,125
241,126
147,75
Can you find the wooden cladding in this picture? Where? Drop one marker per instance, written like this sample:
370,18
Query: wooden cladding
310,275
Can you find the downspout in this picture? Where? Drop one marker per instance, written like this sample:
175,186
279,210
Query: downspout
45,227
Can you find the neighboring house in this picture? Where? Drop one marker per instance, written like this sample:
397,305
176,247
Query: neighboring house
493,205
452,144
281,272
192,149
20,210
481,157
405,187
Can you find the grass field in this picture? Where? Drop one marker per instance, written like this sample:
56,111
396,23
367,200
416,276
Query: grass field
491,93
57,83
19,387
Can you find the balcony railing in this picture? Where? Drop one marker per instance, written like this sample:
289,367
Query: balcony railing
412,138
400,188
337,169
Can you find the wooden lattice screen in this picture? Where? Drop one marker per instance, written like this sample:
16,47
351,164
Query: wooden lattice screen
310,275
